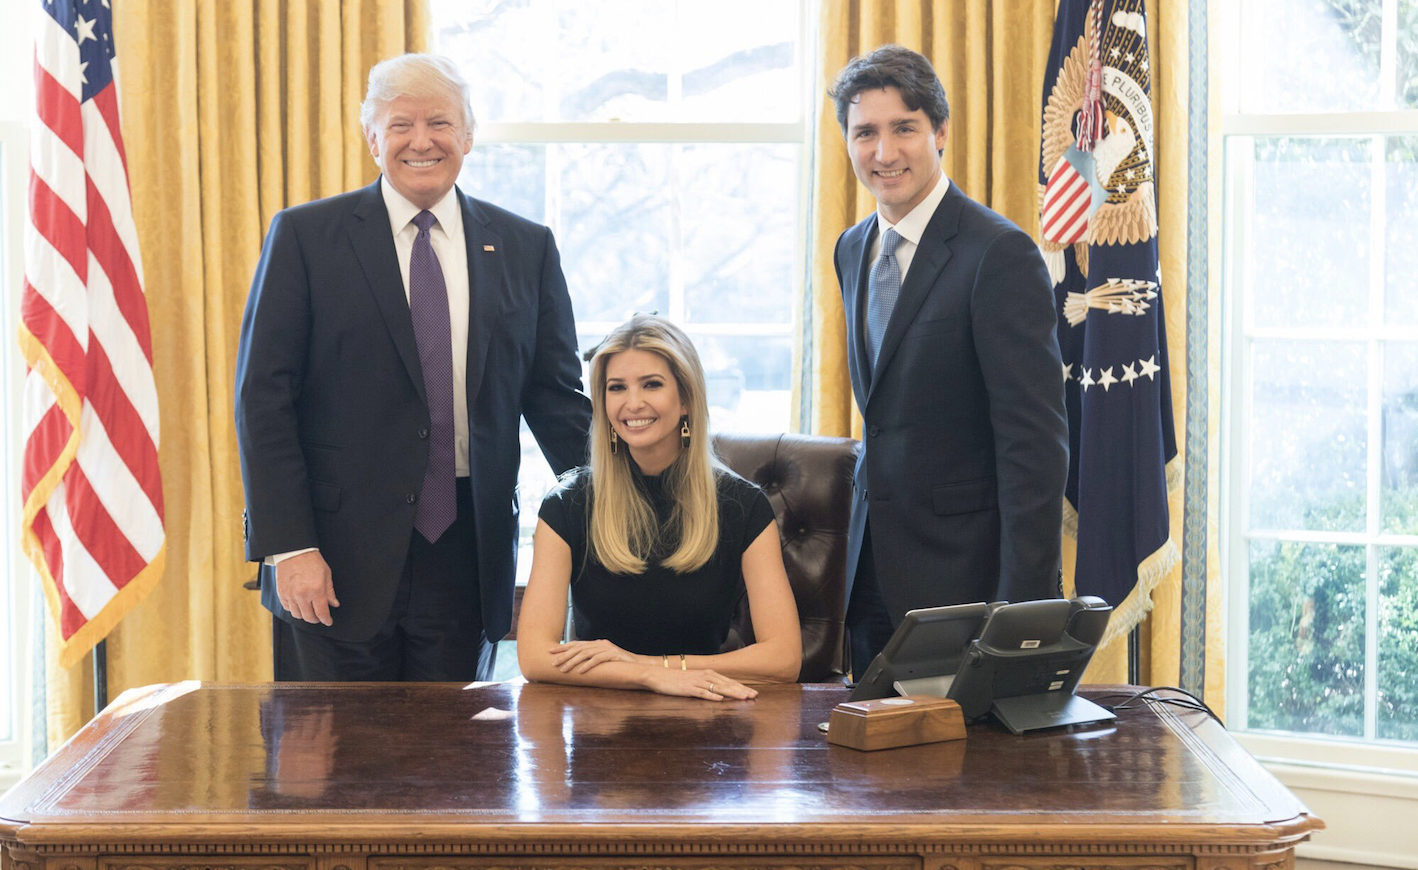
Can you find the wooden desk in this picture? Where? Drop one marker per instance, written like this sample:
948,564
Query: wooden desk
193,776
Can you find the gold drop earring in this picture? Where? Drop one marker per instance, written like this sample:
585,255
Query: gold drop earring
615,442
684,432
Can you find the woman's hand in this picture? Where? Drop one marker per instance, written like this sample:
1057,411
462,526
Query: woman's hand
580,656
707,684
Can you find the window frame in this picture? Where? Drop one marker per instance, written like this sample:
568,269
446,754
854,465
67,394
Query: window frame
1367,789
16,586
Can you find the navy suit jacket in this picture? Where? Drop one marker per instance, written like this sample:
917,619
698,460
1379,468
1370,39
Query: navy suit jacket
331,417
965,441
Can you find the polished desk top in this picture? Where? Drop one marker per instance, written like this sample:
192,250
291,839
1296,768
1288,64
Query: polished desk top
502,757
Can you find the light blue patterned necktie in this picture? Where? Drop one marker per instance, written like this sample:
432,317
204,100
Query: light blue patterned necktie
883,286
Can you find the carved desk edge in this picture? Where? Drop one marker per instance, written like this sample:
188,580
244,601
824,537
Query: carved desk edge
240,843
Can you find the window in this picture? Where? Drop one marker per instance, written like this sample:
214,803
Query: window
1321,356
666,145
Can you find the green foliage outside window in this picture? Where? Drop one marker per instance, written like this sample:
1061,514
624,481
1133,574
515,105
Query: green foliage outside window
1307,635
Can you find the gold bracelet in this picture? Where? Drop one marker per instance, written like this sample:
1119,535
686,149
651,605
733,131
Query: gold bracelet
682,665
665,659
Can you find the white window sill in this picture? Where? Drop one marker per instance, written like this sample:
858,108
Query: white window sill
1367,795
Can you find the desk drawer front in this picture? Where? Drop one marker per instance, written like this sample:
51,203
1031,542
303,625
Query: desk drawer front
727,862
1087,862
197,862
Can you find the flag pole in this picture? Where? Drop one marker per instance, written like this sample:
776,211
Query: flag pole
100,658
1134,655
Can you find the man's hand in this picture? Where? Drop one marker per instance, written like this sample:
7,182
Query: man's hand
304,587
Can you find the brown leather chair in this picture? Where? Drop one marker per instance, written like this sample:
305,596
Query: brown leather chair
808,479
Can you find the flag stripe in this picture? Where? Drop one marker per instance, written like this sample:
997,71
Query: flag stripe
127,437
1065,195
112,257
40,318
60,226
62,172
45,443
84,581
135,512
108,174
58,111
97,532
125,358
105,103
70,619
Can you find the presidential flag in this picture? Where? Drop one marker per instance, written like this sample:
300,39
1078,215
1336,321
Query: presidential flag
1098,234
92,495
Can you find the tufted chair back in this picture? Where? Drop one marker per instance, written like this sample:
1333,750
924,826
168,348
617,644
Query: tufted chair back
808,479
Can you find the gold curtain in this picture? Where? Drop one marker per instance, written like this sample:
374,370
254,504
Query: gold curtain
231,111
990,55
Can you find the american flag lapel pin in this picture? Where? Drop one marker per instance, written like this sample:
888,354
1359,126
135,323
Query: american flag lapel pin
489,248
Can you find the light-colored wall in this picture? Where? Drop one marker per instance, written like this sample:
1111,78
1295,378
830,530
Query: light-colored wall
16,61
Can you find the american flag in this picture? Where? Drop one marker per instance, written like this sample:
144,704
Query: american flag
93,507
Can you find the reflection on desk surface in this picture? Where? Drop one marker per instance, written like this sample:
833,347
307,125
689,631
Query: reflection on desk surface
536,753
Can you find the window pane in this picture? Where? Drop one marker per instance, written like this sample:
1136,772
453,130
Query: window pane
1400,434
1401,228
625,60
510,176
740,232
1398,644
1306,644
617,225
534,480
734,72
1311,55
749,380
1307,435
1308,245
1407,85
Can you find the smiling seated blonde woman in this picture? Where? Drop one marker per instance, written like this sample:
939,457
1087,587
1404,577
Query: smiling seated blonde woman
652,538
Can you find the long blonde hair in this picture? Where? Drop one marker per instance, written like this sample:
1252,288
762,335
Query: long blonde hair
623,530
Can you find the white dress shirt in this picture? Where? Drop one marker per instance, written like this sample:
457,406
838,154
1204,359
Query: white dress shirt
452,251
911,227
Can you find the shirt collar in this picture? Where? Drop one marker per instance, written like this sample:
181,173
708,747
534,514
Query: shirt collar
447,210
913,225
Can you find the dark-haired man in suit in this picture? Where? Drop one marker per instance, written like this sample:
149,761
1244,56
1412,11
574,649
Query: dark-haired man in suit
955,365
393,339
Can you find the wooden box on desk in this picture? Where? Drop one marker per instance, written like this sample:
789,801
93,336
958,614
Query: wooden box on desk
889,722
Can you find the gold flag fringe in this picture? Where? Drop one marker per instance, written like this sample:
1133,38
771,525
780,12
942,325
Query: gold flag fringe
1150,572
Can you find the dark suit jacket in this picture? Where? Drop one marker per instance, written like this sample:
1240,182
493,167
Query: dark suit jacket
331,416
965,442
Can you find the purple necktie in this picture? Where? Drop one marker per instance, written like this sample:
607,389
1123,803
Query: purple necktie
428,303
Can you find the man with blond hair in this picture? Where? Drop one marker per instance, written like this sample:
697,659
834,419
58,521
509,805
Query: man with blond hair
394,337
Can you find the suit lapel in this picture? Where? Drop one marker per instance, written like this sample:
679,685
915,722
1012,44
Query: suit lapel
374,248
930,258
487,285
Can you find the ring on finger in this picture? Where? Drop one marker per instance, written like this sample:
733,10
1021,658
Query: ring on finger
711,687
